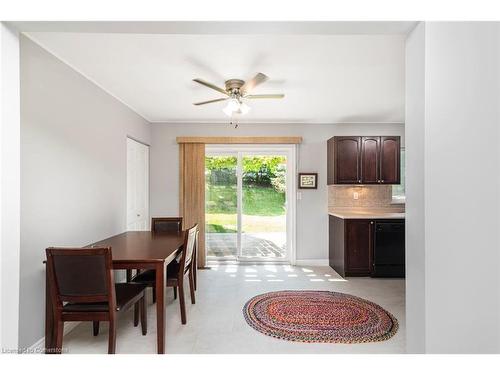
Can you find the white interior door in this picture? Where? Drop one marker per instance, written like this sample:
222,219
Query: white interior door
137,185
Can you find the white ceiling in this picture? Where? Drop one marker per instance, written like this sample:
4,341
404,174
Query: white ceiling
326,78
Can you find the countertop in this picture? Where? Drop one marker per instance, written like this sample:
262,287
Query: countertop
366,213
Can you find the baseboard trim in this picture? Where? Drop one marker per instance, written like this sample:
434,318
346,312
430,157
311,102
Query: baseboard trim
312,262
39,346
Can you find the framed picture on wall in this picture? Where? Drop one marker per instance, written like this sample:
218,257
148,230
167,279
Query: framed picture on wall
308,180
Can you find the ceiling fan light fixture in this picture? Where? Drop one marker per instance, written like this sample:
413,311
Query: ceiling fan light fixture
234,106
237,90
244,109
227,110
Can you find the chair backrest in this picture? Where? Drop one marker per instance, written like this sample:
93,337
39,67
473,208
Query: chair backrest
188,249
196,244
81,275
166,224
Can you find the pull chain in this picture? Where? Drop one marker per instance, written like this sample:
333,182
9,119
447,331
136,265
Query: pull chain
234,122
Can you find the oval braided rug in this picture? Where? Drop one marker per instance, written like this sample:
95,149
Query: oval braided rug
319,316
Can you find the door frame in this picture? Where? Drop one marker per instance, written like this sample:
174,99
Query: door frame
148,182
290,150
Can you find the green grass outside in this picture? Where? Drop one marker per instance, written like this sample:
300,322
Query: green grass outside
257,200
226,223
263,209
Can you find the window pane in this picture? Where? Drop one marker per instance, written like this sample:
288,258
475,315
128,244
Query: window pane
263,221
221,206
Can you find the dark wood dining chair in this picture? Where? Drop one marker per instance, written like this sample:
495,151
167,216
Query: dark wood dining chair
166,224
177,271
195,260
83,289
159,225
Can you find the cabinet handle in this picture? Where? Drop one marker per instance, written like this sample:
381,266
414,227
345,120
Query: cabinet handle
382,181
359,181
371,222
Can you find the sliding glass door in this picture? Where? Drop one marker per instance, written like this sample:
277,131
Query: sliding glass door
263,206
221,205
247,203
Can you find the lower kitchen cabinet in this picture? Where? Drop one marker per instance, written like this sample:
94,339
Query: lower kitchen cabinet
366,247
350,243
358,247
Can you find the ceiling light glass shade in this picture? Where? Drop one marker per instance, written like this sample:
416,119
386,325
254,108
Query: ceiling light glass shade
228,111
234,106
244,109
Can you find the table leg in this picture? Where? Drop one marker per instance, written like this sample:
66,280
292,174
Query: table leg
160,307
49,317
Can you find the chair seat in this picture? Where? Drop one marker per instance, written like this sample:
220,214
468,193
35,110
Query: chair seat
149,276
145,277
126,295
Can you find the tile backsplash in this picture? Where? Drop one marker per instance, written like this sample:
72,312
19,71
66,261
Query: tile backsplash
368,196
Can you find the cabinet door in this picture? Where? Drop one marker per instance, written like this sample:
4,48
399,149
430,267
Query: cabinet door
370,163
347,160
390,153
358,243
330,161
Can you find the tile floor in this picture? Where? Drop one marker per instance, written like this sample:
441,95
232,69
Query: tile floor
216,324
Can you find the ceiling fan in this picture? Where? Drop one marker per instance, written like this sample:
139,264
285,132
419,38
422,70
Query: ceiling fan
236,92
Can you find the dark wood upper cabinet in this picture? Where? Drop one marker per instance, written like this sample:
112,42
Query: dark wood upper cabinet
364,160
390,155
347,160
330,162
370,160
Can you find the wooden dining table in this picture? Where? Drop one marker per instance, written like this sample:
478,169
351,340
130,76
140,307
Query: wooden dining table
133,250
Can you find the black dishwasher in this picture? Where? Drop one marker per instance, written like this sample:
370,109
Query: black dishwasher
389,249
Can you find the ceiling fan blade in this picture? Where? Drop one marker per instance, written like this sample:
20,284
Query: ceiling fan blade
210,85
265,96
250,84
211,101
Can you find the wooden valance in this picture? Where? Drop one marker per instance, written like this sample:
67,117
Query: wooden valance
240,140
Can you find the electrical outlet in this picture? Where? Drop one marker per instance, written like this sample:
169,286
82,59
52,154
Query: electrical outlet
355,195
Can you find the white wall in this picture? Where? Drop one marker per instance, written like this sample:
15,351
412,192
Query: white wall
9,187
453,187
415,197
73,170
312,210
462,190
